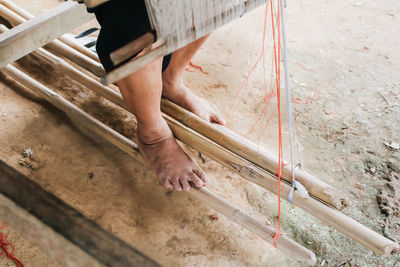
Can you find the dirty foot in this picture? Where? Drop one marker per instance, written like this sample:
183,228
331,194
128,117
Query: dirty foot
173,168
178,93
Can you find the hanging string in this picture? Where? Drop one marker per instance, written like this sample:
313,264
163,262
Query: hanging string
277,57
7,248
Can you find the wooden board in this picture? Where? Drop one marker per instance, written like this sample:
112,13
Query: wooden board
29,36
64,233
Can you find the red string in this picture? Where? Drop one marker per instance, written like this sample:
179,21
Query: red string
5,248
195,68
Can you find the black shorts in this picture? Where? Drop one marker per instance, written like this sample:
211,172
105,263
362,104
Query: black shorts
122,21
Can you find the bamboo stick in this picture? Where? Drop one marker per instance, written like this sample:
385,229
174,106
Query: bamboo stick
56,45
132,66
77,46
249,171
231,141
91,124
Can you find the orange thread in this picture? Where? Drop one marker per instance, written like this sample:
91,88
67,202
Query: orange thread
304,68
277,58
195,68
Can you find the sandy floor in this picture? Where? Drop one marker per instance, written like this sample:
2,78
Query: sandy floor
348,49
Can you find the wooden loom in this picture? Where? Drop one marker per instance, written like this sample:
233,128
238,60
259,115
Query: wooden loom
217,142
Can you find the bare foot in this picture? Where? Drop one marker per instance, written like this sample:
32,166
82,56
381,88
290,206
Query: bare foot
173,168
178,93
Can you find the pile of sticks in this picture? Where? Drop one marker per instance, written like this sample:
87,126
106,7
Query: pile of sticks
255,165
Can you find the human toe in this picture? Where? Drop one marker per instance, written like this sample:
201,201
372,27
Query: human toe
185,184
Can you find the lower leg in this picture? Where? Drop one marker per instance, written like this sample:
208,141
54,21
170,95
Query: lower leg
173,168
179,60
142,92
175,90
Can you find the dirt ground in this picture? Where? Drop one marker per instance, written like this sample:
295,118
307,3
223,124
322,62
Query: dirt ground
345,50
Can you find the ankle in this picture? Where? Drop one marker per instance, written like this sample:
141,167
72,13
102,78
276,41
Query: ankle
171,80
152,132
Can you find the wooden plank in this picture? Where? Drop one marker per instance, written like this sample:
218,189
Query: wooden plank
132,48
58,228
29,36
23,15
55,246
12,13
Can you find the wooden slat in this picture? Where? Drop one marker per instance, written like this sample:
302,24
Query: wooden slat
55,246
13,14
64,233
23,15
29,36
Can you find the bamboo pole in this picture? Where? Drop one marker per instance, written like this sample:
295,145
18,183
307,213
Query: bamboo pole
247,170
230,140
77,46
90,124
61,48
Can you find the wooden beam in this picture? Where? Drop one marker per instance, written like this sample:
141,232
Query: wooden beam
130,49
134,65
64,233
25,15
12,13
54,245
29,36
91,125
